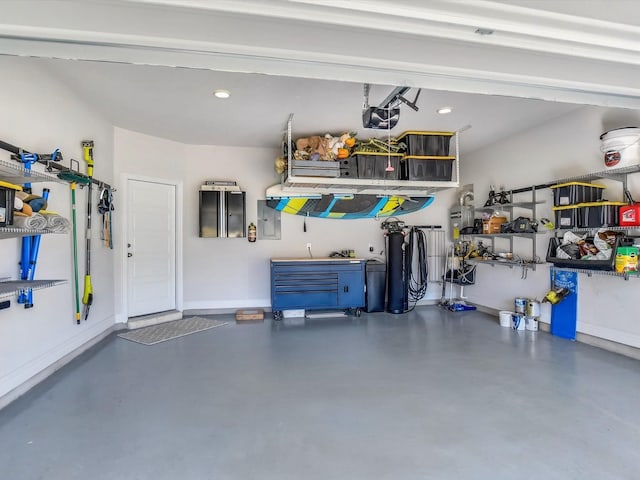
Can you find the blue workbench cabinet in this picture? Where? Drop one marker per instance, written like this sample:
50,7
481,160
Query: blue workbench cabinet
317,284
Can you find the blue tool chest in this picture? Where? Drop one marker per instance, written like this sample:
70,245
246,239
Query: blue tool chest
317,284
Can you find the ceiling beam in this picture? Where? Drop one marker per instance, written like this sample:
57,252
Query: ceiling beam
165,32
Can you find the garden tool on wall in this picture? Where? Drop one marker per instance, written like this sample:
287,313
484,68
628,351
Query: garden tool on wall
74,177
87,296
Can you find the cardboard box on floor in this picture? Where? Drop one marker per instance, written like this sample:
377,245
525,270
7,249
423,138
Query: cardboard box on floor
254,315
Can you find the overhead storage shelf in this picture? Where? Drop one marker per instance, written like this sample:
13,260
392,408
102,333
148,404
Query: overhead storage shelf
296,184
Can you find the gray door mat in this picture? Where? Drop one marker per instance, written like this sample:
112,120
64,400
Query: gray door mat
170,330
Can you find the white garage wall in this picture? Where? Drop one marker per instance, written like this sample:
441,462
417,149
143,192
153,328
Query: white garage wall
233,273
568,146
40,114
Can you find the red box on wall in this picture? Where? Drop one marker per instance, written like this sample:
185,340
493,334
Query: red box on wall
629,215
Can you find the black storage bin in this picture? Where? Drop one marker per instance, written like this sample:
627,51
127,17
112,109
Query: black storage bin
598,214
572,193
373,165
605,265
349,167
426,143
7,196
423,168
376,276
568,216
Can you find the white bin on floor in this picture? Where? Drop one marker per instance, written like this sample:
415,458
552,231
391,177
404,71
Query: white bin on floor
505,318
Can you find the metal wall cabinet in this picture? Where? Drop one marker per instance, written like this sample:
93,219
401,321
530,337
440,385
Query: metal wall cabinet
222,214
317,284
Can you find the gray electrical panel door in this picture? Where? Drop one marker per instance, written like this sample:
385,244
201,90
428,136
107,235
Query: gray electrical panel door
268,222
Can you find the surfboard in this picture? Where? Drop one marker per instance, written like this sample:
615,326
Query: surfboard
351,206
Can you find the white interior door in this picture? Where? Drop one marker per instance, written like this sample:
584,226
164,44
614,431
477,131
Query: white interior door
151,247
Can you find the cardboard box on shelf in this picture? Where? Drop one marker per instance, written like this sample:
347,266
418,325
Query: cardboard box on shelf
493,225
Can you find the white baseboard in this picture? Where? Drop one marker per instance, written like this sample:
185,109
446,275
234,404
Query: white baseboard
20,390
609,345
220,311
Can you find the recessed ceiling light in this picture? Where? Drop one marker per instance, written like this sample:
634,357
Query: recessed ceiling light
444,110
222,93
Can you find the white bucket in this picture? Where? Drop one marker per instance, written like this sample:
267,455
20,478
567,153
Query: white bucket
531,324
505,318
621,147
518,321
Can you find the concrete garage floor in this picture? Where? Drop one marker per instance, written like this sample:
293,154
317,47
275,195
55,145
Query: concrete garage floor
425,395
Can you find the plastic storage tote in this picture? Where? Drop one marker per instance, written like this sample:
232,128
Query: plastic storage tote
568,216
427,168
426,143
374,165
349,168
598,214
571,193
607,265
7,197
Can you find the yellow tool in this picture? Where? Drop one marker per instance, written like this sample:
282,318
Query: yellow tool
87,297
556,295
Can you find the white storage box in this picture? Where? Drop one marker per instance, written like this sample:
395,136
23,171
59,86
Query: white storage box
621,147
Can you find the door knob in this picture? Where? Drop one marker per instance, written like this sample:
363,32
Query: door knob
129,255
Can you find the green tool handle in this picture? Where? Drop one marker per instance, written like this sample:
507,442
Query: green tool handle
75,249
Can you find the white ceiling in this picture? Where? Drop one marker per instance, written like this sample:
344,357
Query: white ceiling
177,104
151,65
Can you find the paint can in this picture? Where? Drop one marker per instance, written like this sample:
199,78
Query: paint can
531,324
532,308
505,318
518,321
520,305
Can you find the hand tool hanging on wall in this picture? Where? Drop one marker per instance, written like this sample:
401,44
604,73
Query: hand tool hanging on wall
87,296
74,177
105,207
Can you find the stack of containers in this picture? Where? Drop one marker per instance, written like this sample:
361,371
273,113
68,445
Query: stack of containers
580,205
426,156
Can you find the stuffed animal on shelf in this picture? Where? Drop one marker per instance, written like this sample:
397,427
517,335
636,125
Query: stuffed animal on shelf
327,147
281,165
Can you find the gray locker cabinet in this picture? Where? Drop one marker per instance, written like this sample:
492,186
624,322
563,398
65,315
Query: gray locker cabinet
222,214
317,284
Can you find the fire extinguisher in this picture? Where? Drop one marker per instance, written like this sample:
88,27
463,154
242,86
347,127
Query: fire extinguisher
251,232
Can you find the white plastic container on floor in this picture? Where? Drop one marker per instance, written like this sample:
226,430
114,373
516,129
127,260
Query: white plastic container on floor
531,324
505,318
621,147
